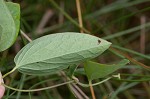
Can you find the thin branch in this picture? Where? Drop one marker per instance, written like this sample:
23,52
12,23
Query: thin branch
79,15
25,35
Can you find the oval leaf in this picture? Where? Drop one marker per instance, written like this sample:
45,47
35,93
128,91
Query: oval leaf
95,70
9,22
55,52
14,9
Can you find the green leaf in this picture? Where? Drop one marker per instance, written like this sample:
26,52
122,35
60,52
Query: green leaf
9,22
1,29
56,52
95,70
14,9
72,70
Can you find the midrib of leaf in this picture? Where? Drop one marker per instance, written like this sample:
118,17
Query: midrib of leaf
60,55
46,69
45,61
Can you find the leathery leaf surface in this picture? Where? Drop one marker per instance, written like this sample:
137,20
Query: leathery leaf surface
55,52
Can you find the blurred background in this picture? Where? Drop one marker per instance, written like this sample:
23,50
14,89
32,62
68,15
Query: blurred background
125,23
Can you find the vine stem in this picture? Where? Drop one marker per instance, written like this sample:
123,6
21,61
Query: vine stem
87,85
9,72
40,89
92,90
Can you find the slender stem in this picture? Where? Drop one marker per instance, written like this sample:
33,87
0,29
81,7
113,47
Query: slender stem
25,35
79,15
9,72
87,85
40,89
92,90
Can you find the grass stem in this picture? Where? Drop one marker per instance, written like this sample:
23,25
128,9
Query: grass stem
79,15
